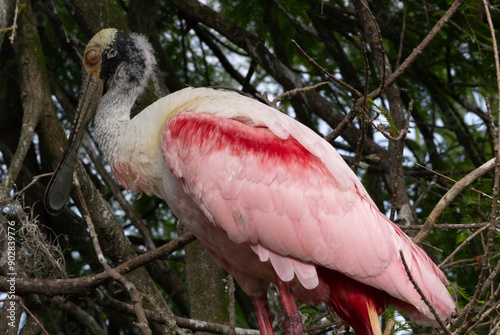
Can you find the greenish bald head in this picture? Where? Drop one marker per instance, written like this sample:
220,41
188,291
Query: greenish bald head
102,39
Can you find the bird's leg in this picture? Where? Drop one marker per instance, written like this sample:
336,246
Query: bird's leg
293,321
262,313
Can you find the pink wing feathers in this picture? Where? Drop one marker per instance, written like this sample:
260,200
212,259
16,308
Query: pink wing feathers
271,182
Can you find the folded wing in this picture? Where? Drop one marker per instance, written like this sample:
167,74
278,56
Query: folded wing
271,182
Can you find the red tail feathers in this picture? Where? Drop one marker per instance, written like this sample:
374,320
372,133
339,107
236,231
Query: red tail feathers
352,300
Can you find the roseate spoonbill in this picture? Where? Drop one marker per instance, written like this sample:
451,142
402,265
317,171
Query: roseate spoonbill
268,198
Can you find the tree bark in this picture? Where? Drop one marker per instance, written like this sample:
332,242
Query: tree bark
395,178
6,18
205,283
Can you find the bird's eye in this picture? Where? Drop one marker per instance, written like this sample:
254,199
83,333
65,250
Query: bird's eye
112,53
92,56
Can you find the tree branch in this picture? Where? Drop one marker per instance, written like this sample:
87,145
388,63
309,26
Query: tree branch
135,296
193,324
419,49
52,287
445,201
422,295
34,89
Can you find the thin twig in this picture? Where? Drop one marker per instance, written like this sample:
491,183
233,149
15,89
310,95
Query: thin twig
381,44
51,287
359,147
419,49
495,329
364,115
295,91
18,300
297,23
342,125
232,309
464,263
476,263
312,61
424,193
491,124
445,201
125,205
450,256
80,314
323,327
453,180
424,298
34,181
193,324
401,37
30,79
487,309
14,24
491,279
367,67
447,226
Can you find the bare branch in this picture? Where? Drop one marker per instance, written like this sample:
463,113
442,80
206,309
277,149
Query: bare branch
134,293
295,91
52,287
232,306
19,300
401,38
19,8
422,295
419,49
34,90
34,181
447,226
193,324
346,121
463,244
364,109
453,180
372,25
445,201
80,314
329,75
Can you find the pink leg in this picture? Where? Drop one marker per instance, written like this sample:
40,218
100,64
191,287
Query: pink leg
262,313
293,321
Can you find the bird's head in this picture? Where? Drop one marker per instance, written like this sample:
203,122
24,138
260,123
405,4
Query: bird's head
119,60
112,61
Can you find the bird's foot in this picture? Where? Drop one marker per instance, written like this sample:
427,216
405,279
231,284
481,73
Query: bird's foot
293,326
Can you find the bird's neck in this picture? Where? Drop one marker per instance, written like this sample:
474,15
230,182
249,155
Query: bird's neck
128,144
113,119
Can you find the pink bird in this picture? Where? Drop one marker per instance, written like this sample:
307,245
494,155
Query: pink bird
268,198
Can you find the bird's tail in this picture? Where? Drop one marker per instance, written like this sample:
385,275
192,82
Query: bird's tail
356,303
430,280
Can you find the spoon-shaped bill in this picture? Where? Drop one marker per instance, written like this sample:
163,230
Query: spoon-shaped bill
57,192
